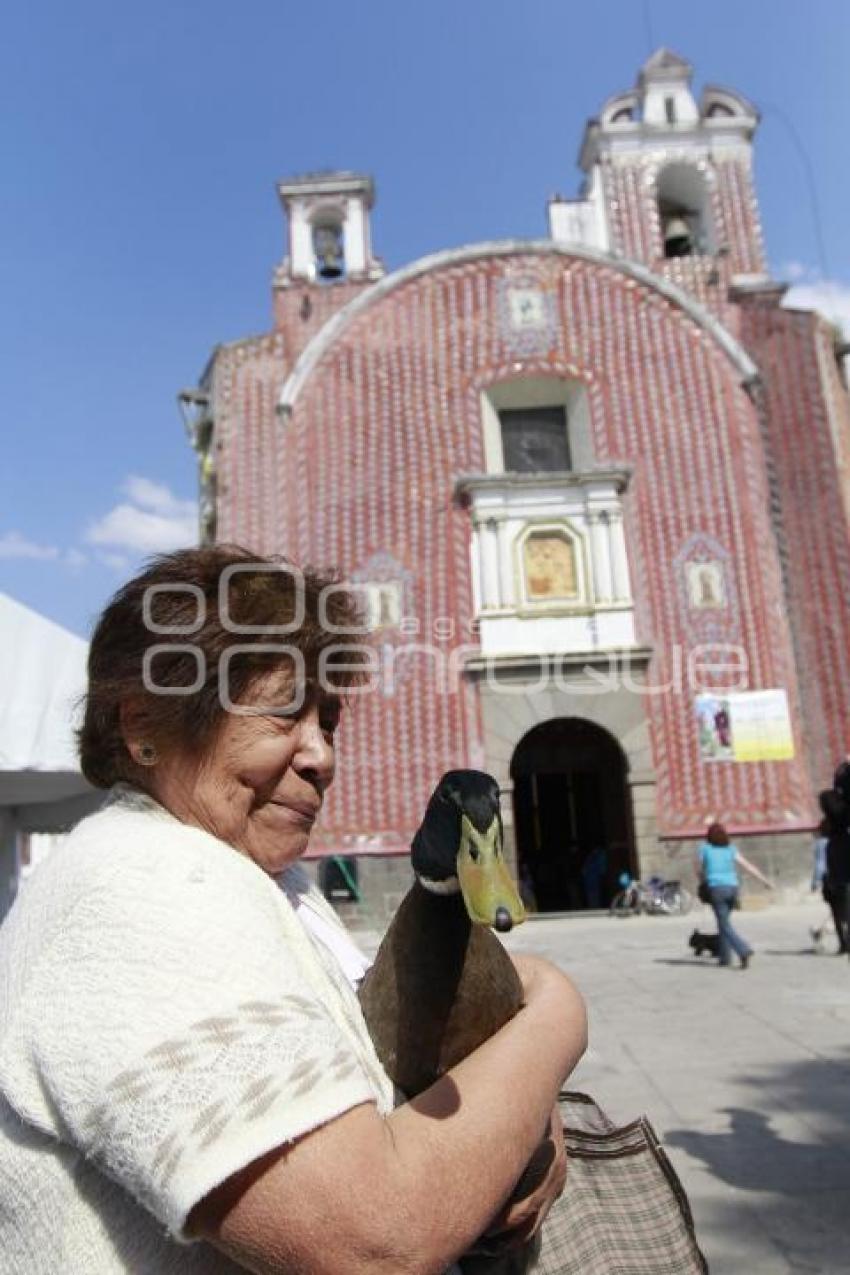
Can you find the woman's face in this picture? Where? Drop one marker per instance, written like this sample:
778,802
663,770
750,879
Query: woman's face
261,784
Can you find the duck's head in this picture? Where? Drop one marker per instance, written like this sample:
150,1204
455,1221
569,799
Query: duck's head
458,847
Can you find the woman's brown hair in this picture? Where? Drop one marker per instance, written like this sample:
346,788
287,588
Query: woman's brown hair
170,628
717,835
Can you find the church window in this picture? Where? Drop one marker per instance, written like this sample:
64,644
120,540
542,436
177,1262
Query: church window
534,440
536,425
670,110
718,110
622,116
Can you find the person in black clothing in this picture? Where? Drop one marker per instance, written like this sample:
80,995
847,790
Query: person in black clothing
835,804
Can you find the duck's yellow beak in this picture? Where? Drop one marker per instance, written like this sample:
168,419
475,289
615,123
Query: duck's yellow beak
488,890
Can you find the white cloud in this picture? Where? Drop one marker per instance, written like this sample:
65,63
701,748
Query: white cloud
793,270
151,495
152,520
118,561
14,545
810,291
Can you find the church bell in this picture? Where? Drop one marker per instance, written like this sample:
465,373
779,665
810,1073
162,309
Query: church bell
678,239
327,242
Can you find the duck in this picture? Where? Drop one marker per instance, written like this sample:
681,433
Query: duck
441,982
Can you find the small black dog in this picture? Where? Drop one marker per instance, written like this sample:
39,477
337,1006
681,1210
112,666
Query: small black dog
705,943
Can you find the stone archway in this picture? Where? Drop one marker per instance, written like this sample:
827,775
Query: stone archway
573,816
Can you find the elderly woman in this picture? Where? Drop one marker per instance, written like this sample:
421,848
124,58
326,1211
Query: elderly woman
186,1080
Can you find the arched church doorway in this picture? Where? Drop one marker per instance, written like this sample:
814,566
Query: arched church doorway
572,814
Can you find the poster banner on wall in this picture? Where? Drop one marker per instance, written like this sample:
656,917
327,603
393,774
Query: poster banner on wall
745,726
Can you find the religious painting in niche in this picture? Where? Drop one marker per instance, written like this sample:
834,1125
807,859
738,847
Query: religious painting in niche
383,604
549,567
527,309
706,585
527,313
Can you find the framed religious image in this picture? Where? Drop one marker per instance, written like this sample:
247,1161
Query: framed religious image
383,604
549,567
706,585
527,308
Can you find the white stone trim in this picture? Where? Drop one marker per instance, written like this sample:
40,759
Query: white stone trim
336,325
585,508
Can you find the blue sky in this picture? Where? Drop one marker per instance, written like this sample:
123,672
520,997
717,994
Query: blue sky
139,224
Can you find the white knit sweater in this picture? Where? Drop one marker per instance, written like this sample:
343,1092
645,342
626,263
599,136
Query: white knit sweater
165,1020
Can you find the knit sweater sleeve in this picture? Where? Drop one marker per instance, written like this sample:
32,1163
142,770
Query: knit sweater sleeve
169,1030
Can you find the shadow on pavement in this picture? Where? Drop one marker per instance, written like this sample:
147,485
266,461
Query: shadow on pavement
752,1156
810,1097
798,1185
798,951
792,1156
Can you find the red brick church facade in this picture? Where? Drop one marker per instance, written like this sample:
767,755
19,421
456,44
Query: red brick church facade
587,483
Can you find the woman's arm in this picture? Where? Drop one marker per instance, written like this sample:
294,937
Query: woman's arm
753,870
407,1194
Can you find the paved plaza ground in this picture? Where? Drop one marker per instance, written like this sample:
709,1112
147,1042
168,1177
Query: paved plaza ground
745,1075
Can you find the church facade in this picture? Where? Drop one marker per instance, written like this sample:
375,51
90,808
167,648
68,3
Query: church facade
594,489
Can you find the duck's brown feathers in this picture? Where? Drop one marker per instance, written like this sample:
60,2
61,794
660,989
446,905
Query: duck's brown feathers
439,987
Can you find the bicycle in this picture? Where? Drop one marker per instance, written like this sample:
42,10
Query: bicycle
674,899
655,897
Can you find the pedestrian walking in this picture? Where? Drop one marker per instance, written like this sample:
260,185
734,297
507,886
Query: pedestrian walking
819,855
836,887
819,884
835,804
718,863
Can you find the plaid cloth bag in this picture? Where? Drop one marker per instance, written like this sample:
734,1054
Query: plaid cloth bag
623,1212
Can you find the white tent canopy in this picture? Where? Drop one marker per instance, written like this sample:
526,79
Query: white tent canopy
42,680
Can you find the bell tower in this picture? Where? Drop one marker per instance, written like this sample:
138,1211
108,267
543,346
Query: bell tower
668,181
329,258
329,233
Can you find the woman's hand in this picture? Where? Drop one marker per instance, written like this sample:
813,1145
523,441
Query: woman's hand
537,1190
545,1174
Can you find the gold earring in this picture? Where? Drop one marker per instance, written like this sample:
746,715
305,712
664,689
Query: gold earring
147,755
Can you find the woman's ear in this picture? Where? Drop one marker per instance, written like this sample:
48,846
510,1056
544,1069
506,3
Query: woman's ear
128,718
136,738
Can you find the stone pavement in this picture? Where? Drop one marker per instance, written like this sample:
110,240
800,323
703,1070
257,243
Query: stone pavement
745,1075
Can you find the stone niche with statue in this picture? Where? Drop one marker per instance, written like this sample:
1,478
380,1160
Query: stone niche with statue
550,572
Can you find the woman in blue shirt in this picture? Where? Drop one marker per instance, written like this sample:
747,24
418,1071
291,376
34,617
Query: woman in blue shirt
718,868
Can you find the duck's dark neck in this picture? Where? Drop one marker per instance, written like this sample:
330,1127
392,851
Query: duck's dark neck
443,928
449,909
